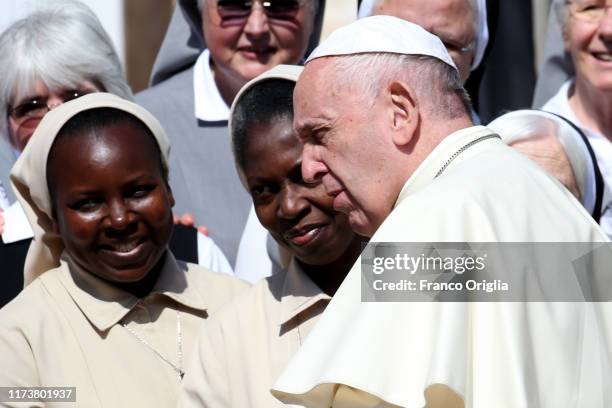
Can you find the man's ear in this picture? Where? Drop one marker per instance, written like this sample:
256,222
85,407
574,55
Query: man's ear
405,112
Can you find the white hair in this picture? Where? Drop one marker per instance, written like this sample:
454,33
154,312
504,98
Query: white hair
62,46
436,84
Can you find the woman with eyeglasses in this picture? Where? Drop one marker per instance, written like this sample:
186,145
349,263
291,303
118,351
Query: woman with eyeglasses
212,48
586,99
50,57
114,316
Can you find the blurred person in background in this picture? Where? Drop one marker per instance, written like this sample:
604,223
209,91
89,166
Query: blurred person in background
212,48
586,99
50,57
461,25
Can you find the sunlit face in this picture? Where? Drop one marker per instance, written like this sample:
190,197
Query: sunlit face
242,48
298,215
112,205
590,44
346,145
29,109
451,20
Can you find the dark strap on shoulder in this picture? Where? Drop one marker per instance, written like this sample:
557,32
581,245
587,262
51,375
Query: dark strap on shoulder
599,183
184,243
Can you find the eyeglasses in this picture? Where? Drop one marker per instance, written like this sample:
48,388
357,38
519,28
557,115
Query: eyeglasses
591,11
454,47
238,11
37,107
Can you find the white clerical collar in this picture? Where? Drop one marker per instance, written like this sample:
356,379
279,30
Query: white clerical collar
209,105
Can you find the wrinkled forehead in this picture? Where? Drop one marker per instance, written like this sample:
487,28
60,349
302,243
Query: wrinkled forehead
321,96
316,81
320,74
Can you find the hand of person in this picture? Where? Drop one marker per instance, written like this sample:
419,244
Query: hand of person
2,222
188,221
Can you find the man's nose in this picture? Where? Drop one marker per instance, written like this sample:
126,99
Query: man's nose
312,168
257,23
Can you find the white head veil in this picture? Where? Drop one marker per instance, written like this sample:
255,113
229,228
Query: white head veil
527,123
29,175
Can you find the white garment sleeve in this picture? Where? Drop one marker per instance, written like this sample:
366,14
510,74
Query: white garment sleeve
252,260
211,256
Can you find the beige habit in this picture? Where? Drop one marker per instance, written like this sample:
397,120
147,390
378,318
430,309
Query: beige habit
69,328
246,345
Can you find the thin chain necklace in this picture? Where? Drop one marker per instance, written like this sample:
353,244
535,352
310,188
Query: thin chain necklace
462,149
179,335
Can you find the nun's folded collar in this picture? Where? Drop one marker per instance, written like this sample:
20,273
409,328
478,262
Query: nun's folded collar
105,305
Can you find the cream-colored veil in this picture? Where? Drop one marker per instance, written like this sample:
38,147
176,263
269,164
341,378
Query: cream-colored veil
29,175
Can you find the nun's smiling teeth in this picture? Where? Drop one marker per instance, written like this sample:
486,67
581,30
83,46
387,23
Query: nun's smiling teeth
124,247
603,56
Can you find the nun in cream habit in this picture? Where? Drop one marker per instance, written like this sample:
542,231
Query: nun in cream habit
82,327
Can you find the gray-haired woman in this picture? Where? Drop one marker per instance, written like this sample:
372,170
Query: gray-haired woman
49,57
586,99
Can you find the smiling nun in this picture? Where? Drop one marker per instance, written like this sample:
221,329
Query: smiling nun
115,315
246,345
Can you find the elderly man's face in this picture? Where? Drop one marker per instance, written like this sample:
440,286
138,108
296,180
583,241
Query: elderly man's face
451,20
244,45
345,145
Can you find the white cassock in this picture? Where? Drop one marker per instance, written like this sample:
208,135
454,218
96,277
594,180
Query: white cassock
496,354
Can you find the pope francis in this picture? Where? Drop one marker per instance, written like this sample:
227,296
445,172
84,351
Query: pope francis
386,127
